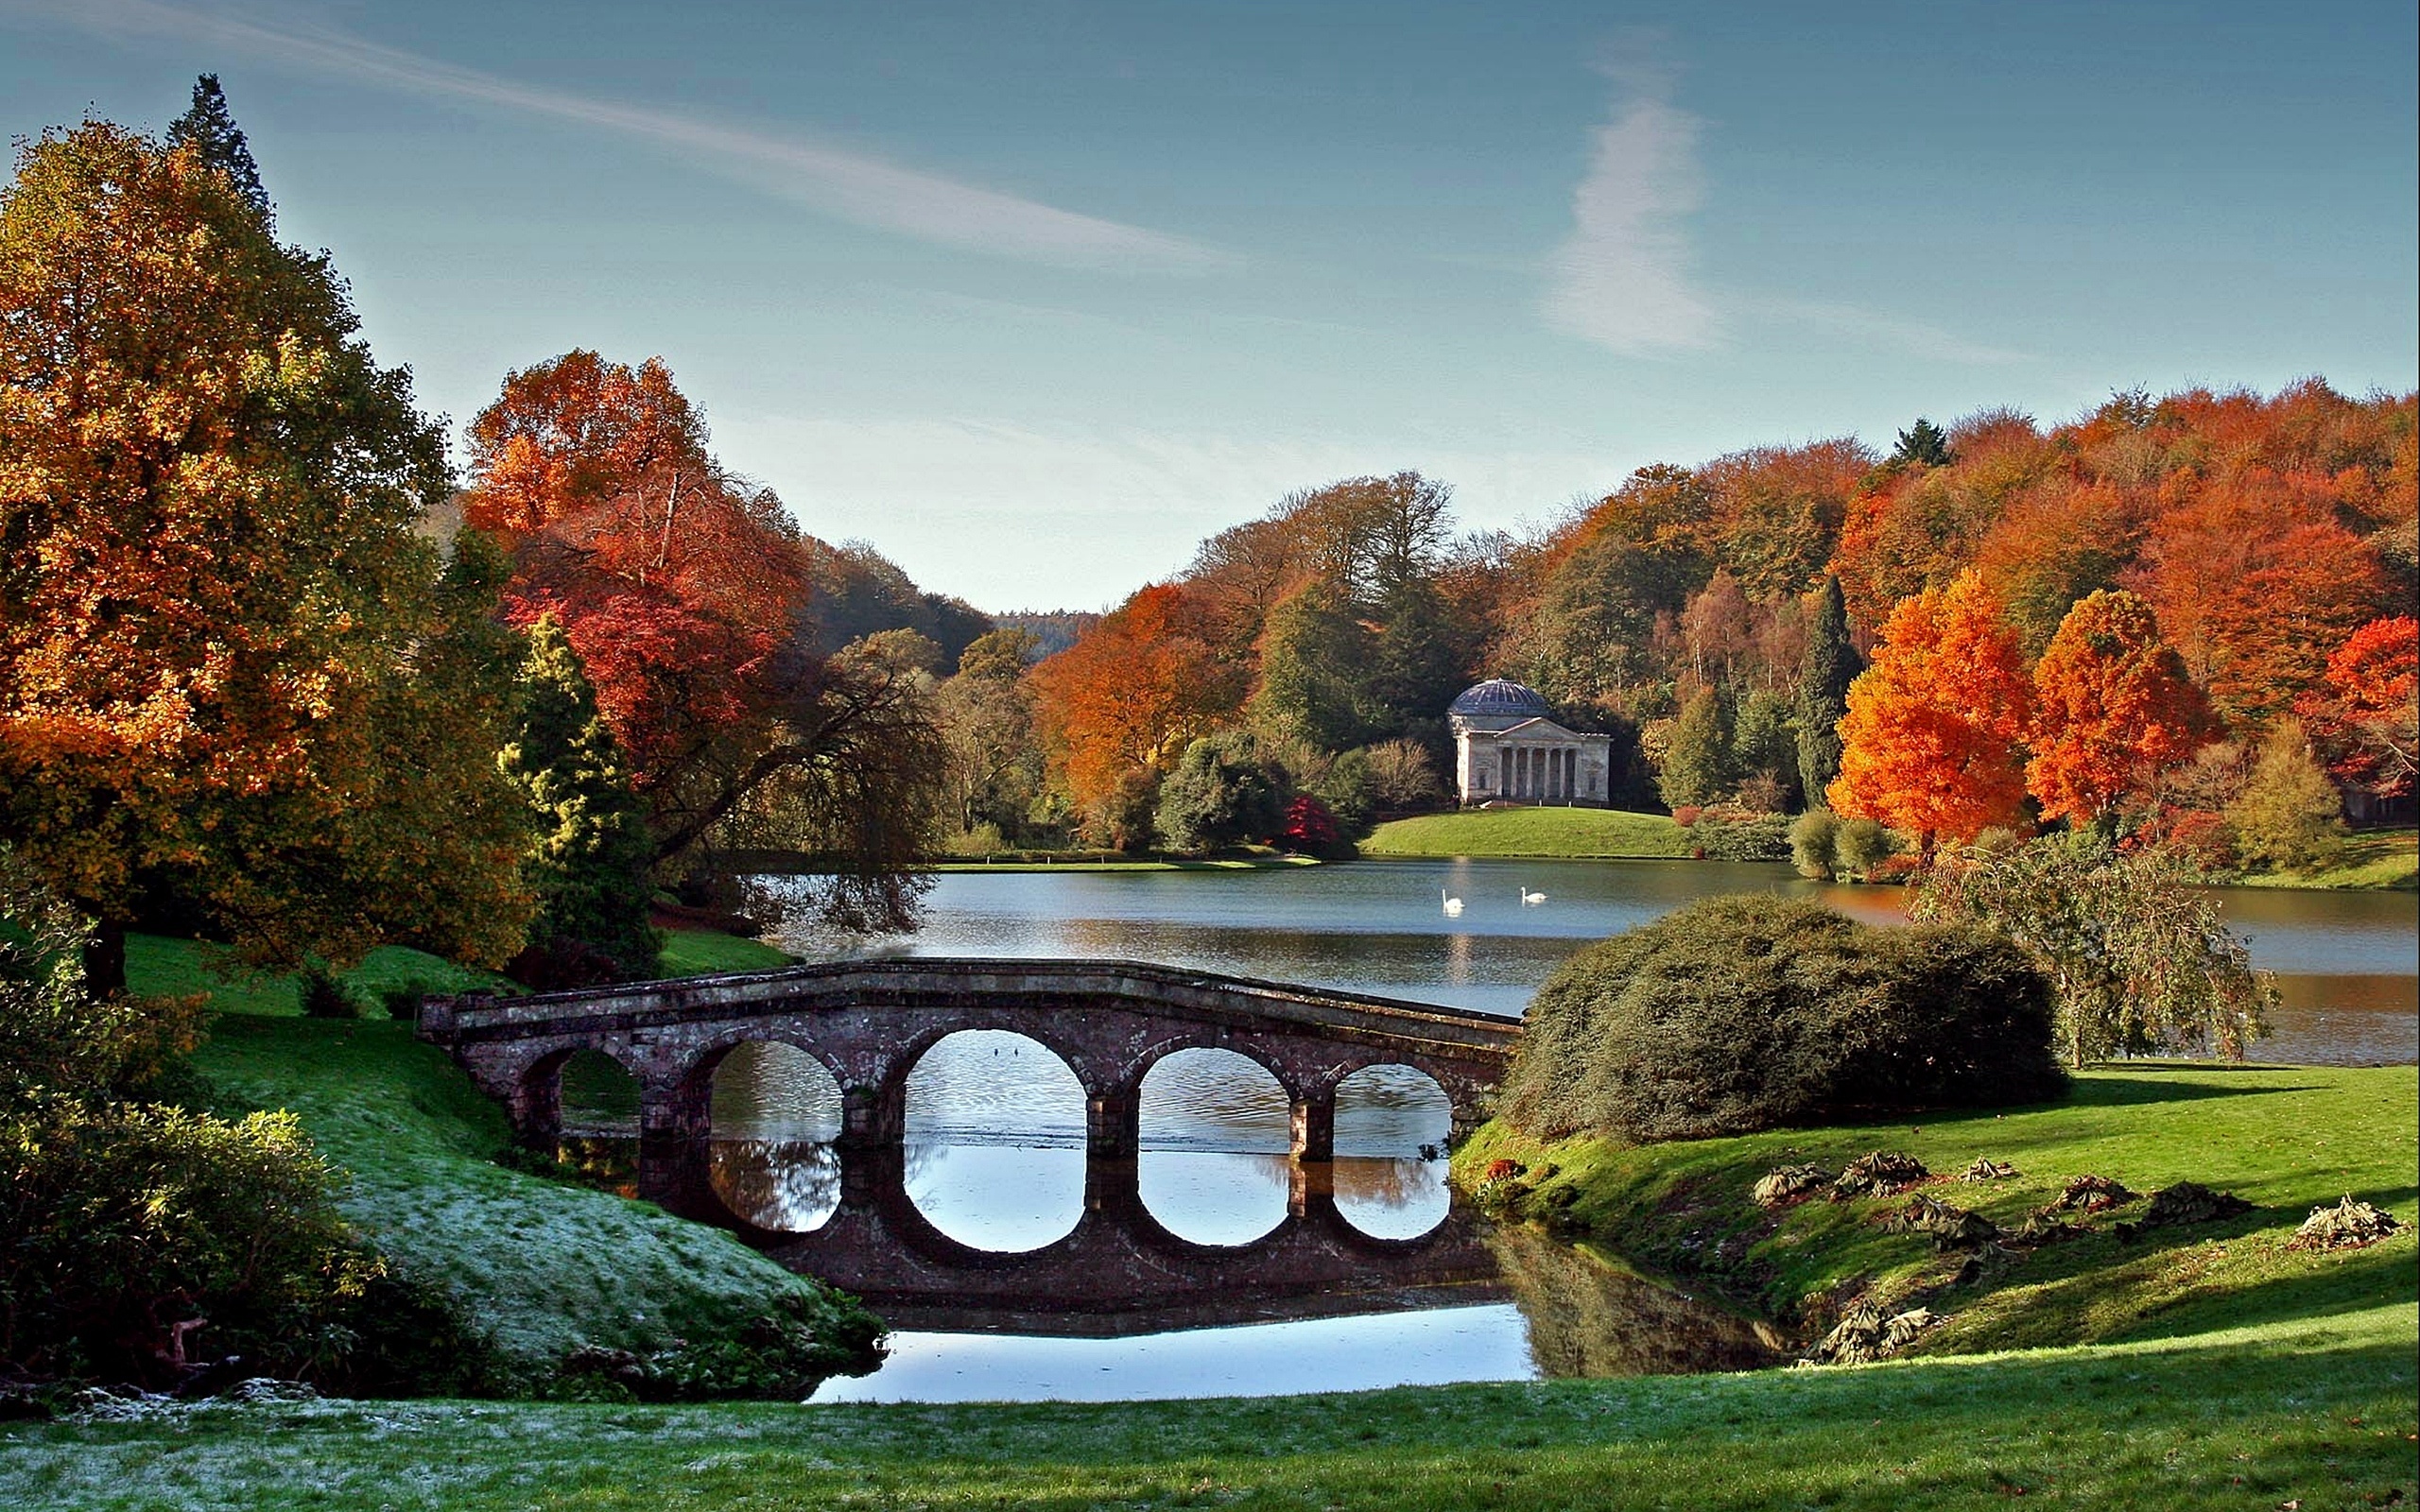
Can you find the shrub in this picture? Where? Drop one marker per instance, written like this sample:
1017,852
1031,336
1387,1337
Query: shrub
1742,836
1858,846
1812,836
1744,1013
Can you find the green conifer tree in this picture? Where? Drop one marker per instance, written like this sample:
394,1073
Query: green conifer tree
1921,442
1832,665
1698,767
589,861
211,130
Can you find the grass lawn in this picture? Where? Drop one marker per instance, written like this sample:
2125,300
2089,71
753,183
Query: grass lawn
2285,1140
543,1265
2373,860
704,952
2315,1414
1576,832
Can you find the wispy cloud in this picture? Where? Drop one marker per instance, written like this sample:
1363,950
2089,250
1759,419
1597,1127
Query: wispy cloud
1623,278
851,185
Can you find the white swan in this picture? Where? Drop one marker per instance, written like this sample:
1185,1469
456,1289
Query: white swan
1453,904
1531,899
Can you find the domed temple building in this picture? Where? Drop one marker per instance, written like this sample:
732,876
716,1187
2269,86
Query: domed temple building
1508,749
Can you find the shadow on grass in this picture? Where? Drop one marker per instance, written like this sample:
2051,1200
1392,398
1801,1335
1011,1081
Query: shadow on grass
2162,1084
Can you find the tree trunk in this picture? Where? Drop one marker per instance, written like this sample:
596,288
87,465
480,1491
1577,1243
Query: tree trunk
105,959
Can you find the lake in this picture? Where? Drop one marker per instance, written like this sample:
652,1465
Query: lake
1211,1264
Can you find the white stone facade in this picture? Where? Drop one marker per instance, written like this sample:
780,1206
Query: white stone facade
1507,749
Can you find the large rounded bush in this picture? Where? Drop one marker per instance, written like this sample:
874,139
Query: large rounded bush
1745,1013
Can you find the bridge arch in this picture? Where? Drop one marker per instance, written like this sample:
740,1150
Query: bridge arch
540,1097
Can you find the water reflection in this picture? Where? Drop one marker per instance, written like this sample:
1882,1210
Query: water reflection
1214,1197
1589,1317
782,1186
1390,1198
1373,926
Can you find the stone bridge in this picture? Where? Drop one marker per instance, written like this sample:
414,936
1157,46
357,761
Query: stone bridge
869,1022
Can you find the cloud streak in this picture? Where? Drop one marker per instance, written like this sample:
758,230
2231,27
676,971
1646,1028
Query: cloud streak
854,186
1622,278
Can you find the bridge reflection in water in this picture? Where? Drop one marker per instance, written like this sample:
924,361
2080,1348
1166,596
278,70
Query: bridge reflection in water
1118,1271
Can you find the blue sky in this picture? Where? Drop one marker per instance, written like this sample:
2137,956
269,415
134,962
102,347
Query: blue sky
1035,296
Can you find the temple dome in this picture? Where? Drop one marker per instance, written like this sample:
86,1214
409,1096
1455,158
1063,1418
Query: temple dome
1496,698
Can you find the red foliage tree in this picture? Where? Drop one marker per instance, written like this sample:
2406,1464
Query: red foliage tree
2112,706
680,588
2366,716
1929,744
2253,579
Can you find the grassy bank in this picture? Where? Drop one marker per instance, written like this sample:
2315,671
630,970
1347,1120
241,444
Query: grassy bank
2312,1414
2373,860
1580,834
2285,1140
541,1265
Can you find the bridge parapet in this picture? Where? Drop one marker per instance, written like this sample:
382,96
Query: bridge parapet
868,1022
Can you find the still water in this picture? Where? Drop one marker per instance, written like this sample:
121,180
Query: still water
1014,1268
2344,960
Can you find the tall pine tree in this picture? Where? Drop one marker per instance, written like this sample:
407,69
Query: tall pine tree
1832,665
589,861
211,131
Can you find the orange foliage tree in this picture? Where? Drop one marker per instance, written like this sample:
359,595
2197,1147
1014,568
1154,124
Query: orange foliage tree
232,674
2112,708
2255,580
2367,715
1929,744
1130,694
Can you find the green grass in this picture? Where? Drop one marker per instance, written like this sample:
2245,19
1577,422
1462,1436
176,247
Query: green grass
2285,1140
541,1265
2373,860
704,952
1576,832
157,966
2315,1414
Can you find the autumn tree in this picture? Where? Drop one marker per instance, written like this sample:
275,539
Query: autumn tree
1130,694
1930,739
2367,713
685,591
591,854
2256,579
2112,708
231,670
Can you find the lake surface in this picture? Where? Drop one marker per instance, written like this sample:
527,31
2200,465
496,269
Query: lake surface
2344,960
1014,1266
